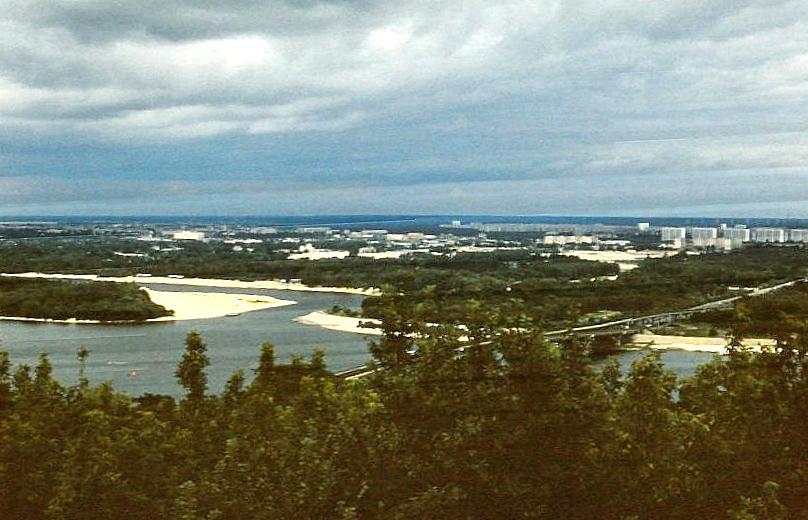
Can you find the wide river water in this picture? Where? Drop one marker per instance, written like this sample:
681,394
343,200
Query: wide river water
142,358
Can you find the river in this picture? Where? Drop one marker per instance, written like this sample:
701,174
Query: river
141,358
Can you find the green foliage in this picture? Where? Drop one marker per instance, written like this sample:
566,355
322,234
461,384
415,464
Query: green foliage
484,421
552,288
191,370
62,300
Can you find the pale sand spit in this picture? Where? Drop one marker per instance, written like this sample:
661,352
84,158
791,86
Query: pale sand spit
340,323
204,305
200,282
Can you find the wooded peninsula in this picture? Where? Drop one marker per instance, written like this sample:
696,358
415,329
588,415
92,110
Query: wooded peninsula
64,300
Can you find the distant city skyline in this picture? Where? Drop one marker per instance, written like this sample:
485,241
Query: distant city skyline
617,108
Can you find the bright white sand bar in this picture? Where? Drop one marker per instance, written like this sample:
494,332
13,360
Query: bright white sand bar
204,305
199,282
339,323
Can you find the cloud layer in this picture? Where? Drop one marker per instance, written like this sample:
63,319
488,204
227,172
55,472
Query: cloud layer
602,106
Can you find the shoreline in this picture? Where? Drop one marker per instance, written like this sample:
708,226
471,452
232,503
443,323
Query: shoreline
340,323
695,343
186,306
654,341
200,282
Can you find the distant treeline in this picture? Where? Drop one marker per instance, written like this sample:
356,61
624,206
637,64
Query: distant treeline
61,300
510,427
555,290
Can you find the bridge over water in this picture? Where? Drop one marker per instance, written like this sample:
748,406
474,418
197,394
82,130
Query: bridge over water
622,327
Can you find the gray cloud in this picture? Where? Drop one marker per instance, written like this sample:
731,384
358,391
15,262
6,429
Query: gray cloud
361,95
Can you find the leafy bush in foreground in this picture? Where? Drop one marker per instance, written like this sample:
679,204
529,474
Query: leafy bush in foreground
509,426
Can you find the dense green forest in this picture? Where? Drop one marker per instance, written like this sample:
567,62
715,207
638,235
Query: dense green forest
510,426
61,300
218,261
554,288
658,285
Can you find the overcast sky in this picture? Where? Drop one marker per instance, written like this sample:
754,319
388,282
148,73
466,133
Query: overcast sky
604,107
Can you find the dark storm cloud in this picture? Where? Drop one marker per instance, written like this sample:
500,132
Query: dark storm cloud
112,100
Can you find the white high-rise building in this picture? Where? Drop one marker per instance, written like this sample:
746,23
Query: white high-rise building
727,244
643,226
777,235
669,234
703,232
737,233
704,237
798,235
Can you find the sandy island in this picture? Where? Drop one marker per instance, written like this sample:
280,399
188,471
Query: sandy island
340,323
199,282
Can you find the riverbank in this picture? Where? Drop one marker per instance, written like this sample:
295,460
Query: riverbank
654,341
277,285
186,306
340,323
694,343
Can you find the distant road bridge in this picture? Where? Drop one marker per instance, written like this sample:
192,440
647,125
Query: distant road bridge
621,327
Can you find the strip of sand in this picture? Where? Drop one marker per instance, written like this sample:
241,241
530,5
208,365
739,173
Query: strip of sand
694,343
190,306
200,282
340,323
204,305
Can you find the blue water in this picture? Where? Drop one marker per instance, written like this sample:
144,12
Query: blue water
142,358
153,350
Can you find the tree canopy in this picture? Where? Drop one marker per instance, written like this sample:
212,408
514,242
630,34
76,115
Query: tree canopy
489,421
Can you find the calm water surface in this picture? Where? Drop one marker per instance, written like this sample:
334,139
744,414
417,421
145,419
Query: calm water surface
153,350
142,358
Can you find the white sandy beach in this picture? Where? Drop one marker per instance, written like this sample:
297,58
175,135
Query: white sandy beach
199,282
204,305
694,343
339,323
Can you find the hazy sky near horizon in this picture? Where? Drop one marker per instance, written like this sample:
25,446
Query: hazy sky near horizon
607,107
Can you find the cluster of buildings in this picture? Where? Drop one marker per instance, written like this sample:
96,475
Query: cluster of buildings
727,238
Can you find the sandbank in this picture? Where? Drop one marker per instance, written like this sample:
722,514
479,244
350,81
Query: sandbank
204,305
694,343
200,282
340,323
